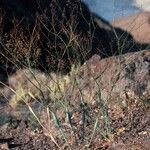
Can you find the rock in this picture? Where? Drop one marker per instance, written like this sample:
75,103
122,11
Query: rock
138,25
120,79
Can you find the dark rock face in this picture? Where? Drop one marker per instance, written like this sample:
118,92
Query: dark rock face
53,35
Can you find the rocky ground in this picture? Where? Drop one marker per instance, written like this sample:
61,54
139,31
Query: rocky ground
130,132
116,117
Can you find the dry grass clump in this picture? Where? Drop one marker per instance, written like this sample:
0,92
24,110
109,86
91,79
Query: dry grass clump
42,98
43,95
31,85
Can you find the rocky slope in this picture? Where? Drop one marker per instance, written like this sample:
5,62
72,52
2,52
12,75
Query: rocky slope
138,25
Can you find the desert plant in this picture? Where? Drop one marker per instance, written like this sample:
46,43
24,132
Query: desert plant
58,42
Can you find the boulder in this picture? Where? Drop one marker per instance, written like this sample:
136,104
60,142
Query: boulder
118,79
